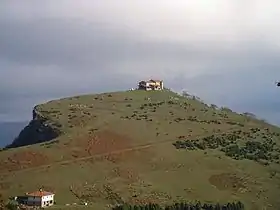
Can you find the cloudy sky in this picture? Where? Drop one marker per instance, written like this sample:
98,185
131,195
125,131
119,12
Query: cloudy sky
225,51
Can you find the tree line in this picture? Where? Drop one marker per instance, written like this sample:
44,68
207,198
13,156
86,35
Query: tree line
183,206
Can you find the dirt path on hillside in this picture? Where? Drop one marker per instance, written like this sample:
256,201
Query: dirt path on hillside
134,148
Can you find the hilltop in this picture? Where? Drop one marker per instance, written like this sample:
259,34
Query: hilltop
140,146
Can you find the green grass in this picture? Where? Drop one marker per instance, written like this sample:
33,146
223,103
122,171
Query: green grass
154,170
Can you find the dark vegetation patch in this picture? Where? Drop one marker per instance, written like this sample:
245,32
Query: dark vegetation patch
145,111
257,144
195,119
146,108
184,206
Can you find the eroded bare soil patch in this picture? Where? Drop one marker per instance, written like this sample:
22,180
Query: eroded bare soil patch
227,181
99,143
23,159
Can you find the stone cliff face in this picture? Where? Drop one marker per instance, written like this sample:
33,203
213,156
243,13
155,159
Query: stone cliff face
40,129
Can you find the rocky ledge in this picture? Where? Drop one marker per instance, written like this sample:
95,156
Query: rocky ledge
40,129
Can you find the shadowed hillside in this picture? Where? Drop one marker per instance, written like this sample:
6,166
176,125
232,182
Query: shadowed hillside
40,129
139,147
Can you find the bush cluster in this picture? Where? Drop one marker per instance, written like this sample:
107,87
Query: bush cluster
184,206
266,149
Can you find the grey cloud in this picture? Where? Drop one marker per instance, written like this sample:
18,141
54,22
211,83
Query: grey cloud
42,59
75,42
58,42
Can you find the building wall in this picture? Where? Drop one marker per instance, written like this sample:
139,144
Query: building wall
157,85
33,199
161,85
40,201
33,203
47,200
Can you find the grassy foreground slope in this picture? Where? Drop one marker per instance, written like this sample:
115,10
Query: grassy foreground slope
119,147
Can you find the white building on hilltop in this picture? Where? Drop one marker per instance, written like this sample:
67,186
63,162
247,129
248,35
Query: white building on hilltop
40,198
151,85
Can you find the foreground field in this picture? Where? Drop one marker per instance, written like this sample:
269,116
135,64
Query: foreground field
118,147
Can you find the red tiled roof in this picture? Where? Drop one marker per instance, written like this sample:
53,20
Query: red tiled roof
39,193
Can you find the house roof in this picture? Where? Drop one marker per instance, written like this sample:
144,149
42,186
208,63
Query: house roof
150,81
39,193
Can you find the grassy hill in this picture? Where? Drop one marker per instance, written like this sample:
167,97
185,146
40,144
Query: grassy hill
141,147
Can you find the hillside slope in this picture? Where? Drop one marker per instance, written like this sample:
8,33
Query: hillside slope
139,146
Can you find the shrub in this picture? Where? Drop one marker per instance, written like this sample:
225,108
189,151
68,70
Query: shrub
11,205
265,150
182,206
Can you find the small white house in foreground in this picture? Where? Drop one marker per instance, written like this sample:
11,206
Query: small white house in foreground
40,198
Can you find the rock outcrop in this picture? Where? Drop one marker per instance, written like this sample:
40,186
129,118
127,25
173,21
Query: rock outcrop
40,129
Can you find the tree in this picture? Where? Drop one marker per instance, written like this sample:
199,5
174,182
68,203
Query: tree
136,207
183,206
240,205
198,205
218,207
12,206
125,207
147,207
226,109
213,106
